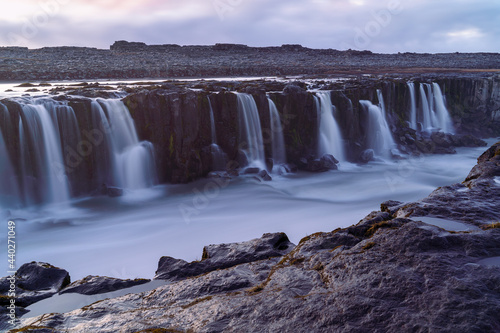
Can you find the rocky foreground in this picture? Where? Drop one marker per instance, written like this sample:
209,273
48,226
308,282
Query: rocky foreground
388,273
126,60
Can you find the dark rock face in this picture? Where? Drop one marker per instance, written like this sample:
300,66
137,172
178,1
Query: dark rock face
488,166
225,255
36,281
178,125
92,285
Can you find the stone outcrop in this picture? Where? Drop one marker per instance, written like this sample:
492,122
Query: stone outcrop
92,285
34,281
223,256
387,273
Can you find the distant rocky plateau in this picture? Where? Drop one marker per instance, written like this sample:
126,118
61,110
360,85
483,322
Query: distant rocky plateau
133,60
390,272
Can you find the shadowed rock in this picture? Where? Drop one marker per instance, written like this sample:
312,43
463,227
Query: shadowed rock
225,255
92,285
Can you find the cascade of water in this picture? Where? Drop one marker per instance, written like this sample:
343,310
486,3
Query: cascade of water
413,106
443,117
52,182
219,158
426,110
251,139
329,135
278,144
435,116
9,191
379,136
133,161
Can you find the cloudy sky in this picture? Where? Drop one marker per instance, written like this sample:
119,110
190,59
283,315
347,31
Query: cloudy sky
378,25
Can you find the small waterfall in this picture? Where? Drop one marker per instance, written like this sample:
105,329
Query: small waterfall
379,136
329,136
48,168
219,158
9,191
443,117
278,144
251,141
435,116
413,106
133,161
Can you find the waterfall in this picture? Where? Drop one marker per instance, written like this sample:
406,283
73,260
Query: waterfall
219,158
435,116
329,136
278,144
426,111
443,117
379,136
46,166
413,106
132,161
9,191
251,141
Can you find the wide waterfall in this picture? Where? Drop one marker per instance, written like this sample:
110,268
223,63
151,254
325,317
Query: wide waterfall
219,158
379,136
434,115
329,135
133,161
251,141
278,139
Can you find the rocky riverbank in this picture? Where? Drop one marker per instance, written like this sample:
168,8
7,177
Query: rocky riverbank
137,60
388,273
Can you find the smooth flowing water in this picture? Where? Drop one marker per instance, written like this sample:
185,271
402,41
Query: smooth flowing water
278,140
125,237
329,136
379,136
219,158
133,161
433,112
251,141
413,106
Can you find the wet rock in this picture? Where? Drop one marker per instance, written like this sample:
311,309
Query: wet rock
325,163
269,163
110,191
488,166
265,176
35,281
367,155
251,171
441,139
224,256
92,285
